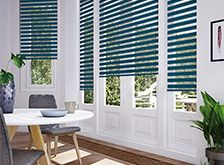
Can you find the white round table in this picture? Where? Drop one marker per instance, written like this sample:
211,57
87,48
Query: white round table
33,119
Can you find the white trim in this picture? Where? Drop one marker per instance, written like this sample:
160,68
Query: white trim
142,147
96,80
162,78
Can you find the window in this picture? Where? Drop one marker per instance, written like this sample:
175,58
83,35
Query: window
182,50
145,91
88,96
41,72
113,91
186,101
39,75
38,41
129,47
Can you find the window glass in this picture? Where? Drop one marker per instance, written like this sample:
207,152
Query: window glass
113,91
41,72
145,91
186,101
88,96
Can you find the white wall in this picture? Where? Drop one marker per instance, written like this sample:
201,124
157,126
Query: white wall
71,49
210,74
5,28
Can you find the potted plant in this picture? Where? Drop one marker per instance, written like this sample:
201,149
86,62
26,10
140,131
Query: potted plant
7,86
212,126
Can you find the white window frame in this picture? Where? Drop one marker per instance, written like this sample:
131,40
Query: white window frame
26,84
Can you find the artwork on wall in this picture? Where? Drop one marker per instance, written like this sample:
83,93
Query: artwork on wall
217,40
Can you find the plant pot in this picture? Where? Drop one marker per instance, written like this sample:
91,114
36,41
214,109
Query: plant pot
214,157
7,97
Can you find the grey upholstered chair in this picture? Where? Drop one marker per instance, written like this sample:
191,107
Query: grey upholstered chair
10,156
53,130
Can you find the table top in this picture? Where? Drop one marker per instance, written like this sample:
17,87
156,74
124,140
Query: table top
33,117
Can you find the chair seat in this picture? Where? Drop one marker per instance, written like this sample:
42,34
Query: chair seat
62,130
48,126
43,128
26,157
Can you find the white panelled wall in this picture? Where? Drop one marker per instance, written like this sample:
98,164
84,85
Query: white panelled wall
161,131
210,74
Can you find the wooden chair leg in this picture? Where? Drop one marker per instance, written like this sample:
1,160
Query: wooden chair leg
55,145
30,143
77,148
49,146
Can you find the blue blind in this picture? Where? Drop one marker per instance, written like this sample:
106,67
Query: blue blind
128,37
86,44
182,24
38,29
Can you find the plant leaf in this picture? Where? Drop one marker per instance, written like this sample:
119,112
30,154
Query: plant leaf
221,114
4,78
212,124
17,60
10,76
197,127
199,124
213,118
2,71
205,112
208,100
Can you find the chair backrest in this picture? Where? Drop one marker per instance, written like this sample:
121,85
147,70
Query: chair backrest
42,101
5,150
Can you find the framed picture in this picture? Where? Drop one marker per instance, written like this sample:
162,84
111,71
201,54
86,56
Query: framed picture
217,40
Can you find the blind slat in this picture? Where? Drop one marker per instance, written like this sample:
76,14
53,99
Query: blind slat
86,45
182,45
128,56
38,29
128,38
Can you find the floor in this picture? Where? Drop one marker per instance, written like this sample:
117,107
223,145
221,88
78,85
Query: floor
95,152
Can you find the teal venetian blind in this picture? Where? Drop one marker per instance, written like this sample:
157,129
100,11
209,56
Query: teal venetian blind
38,29
86,44
128,37
182,24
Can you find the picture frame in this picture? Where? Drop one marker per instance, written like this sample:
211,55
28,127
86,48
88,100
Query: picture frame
217,40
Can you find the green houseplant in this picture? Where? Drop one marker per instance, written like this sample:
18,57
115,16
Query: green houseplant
7,86
212,126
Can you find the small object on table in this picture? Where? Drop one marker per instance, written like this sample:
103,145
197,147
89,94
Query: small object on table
71,106
54,113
